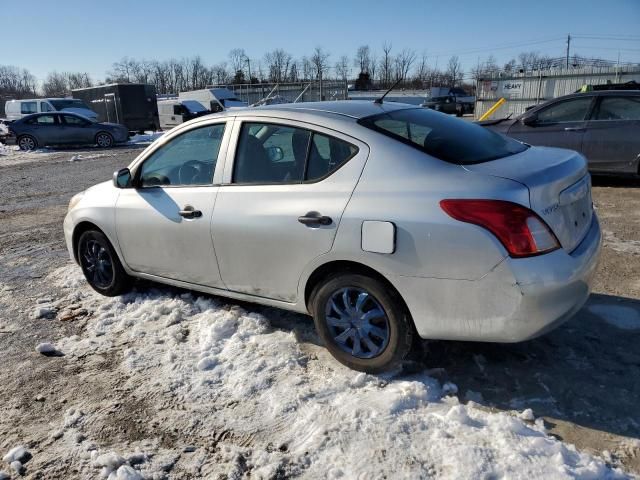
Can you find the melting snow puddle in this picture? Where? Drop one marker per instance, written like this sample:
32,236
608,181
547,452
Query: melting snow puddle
291,410
625,318
621,246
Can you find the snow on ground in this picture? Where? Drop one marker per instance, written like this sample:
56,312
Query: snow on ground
279,406
620,245
625,318
146,137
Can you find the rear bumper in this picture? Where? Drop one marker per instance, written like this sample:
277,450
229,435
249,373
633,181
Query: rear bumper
518,300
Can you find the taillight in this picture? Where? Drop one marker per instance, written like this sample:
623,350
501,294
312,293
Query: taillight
520,230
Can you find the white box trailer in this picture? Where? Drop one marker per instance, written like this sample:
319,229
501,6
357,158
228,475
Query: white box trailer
214,99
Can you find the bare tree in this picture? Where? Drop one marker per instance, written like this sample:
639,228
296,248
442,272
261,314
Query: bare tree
307,68
320,62
386,65
403,62
454,71
342,67
363,59
237,59
278,63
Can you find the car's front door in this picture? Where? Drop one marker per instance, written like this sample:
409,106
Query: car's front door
75,130
612,142
281,203
561,124
164,224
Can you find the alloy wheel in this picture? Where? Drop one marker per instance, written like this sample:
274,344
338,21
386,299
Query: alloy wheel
103,140
27,143
97,264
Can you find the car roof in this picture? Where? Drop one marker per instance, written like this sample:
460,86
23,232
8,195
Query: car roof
355,109
601,93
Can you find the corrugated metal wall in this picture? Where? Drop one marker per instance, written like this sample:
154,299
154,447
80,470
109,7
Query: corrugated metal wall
331,90
524,90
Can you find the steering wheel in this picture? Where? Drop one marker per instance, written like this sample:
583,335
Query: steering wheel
189,172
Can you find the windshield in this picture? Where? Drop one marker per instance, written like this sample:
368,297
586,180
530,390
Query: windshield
444,137
194,106
68,103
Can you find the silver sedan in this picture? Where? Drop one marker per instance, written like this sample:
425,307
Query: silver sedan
385,222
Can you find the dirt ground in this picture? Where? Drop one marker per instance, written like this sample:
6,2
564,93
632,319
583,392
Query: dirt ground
583,379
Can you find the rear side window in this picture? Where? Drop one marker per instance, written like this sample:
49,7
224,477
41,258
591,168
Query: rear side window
27,108
618,108
45,120
271,153
444,137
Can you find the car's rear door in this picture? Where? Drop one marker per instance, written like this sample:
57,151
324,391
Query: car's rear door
286,185
46,128
561,124
612,139
164,224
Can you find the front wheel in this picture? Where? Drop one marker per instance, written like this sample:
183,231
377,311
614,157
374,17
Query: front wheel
361,323
104,140
100,264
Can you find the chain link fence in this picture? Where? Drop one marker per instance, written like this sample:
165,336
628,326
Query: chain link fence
288,92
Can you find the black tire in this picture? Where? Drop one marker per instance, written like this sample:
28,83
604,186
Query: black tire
397,323
104,140
27,142
101,265
459,110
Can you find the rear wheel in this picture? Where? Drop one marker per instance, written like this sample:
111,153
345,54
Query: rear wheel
361,323
27,142
459,110
104,140
100,264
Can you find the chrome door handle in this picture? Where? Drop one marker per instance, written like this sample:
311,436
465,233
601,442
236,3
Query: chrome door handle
189,212
314,219
573,129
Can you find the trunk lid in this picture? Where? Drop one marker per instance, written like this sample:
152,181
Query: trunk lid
559,188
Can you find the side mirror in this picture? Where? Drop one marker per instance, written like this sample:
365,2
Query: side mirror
275,154
216,107
122,178
530,120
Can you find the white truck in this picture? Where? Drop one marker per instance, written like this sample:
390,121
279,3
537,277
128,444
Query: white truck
16,109
174,111
214,99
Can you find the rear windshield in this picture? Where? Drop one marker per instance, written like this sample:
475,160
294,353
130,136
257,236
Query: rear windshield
443,136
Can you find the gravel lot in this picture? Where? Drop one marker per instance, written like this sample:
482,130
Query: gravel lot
583,379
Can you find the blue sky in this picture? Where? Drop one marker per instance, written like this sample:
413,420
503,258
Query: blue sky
84,35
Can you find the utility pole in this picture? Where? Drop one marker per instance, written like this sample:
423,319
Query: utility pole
248,67
568,46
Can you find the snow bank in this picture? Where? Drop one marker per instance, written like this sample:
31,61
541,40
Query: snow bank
283,407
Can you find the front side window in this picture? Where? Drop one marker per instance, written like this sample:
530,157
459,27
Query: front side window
441,136
189,159
74,121
618,108
45,107
27,108
568,111
270,153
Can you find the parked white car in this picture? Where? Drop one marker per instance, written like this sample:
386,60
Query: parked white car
16,109
386,222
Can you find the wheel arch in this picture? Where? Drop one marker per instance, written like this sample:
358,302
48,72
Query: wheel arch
334,267
85,226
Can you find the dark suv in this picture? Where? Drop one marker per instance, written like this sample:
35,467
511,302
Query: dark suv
602,125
